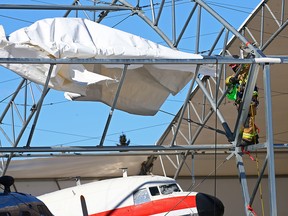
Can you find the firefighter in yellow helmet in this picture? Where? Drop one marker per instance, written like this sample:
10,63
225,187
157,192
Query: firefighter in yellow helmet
250,131
236,87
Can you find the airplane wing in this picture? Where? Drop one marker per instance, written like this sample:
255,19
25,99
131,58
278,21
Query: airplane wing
67,38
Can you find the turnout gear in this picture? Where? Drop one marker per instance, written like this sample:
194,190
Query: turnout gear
236,85
250,132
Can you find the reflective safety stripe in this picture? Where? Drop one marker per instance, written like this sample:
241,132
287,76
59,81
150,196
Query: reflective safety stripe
249,136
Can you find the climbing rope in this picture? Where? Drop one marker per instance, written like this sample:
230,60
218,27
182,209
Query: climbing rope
257,165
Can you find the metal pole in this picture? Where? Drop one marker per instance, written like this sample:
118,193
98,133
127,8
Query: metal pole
269,137
262,27
157,149
62,7
214,106
204,60
159,12
12,99
257,51
173,22
244,107
113,105
185,25
39,105
243,181
258,182
142,15
198,30
216,41
275,34
185,104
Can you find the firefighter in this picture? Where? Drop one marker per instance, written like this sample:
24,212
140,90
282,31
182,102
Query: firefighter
236,85
250,131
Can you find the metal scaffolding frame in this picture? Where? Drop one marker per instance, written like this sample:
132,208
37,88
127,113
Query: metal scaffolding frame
186,144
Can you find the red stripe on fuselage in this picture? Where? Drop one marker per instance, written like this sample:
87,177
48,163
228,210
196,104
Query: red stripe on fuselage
153,207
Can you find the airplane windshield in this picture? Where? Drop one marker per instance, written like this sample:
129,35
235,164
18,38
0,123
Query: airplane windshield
154,191
141,196
168,189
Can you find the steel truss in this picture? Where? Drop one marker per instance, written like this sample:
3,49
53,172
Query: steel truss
180,138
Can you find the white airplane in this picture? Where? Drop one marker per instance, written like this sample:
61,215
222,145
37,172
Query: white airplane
133,195
16,204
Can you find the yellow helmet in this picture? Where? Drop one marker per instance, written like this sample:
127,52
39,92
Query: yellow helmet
227,81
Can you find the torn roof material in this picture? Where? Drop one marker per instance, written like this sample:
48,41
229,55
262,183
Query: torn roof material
146,86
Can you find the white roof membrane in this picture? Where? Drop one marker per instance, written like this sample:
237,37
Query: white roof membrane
69,38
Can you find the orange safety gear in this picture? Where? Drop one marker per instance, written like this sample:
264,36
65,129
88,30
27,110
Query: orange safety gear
249,137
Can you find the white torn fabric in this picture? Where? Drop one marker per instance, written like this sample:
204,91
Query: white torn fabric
146,86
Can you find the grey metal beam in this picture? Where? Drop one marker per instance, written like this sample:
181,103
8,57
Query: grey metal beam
282,11
104,13
262,29
142,15
216,110
173,22
185,105
123,75
12,99
255,50
101,154
269,137
159,13
118,153
196,134
75,2
198,30
204,60
243,181
258,182
216,41
115,148
245,105
62,7
274,35
39,105
185,25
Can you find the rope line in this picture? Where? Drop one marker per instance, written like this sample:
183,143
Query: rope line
257,165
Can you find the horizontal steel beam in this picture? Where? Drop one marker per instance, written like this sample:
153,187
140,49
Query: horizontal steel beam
35,152
204,60
63,7
202,147
115,148
122,153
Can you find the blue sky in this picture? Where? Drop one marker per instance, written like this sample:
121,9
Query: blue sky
63,122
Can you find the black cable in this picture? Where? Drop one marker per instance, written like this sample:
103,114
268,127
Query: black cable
197,123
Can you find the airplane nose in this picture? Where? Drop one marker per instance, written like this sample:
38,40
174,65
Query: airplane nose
208,205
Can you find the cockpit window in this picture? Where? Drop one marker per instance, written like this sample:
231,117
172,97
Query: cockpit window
168,189
141,196
154,191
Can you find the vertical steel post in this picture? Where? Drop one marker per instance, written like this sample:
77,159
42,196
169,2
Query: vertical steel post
185,104
243,181
245,105
198,30
269,140
114,104
39,105
214,106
